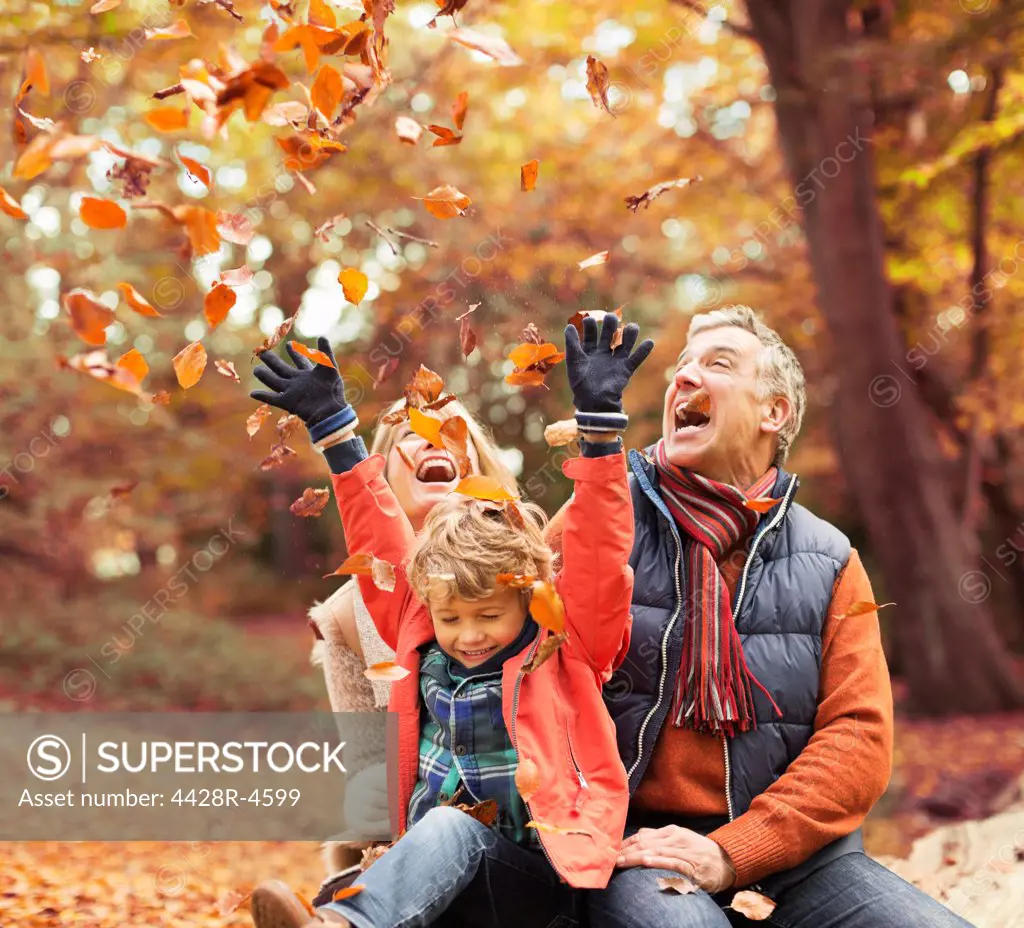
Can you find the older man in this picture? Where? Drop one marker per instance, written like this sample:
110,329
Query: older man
754,709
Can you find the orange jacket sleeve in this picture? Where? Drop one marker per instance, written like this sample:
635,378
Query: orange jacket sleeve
829,789
375,524
596,581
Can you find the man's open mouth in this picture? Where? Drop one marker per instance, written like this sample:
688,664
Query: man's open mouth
437,468
688,418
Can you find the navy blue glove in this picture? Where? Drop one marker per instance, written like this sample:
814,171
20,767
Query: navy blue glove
598,375
313,392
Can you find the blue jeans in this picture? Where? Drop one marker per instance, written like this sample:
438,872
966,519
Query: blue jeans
850,892
450,870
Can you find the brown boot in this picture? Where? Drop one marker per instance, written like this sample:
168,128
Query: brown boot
274,905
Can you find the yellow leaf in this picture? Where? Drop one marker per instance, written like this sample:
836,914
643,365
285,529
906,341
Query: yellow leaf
189,364
354,284
486,488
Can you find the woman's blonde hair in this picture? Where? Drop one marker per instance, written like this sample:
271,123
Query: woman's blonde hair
486,448
465,543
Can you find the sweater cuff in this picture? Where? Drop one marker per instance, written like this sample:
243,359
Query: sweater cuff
609,422
343,456
753,847
339,420
600,449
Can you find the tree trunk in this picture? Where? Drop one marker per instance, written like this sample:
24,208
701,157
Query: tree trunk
952,656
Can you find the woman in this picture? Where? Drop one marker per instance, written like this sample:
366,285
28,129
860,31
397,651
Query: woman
420,476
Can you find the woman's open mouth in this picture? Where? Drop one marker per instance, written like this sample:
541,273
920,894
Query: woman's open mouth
436,468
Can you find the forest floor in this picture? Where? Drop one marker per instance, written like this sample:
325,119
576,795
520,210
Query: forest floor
949,770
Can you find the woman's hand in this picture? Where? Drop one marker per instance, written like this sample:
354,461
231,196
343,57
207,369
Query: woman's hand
597,374
311,391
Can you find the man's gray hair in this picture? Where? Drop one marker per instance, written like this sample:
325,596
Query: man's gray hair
778,371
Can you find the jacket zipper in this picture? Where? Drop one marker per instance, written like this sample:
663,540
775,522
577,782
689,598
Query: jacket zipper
515,744
572,757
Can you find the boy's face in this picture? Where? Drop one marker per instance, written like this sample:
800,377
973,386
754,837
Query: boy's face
473,630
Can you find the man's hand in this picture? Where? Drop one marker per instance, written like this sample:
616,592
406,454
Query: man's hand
598,374
681,850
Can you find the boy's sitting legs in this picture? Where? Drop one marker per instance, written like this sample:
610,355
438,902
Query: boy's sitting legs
443,856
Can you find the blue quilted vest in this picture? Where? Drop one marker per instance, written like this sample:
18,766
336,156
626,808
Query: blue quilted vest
781,601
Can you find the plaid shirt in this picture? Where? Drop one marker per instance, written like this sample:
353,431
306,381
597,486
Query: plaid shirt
464,742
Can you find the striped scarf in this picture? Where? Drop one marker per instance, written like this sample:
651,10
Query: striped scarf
713,689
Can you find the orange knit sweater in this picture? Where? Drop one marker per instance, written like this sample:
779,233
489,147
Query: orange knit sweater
830,788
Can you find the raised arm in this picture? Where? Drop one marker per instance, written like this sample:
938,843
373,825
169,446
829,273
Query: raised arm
596,581
373,520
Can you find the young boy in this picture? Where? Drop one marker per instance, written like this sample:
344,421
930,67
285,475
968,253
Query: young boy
470,712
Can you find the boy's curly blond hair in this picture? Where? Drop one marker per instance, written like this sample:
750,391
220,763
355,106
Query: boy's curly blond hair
466,543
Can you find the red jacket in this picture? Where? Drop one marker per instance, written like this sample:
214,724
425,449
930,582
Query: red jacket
556,715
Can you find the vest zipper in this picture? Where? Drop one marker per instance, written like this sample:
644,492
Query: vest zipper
515,744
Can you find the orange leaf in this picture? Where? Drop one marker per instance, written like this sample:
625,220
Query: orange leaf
217,304
547,648
385,672
131,370
555,830
178,30
189,364
597,83
677,884
445,136
137,301
862,607
699,402
354,284
530,378
492,46
528,175
201,227
199,171
311,503
445,202
320,14
10,206
227,368
166,118
366,565
347,892
547,608
594,260
487,488
327,91
752,905
314,354
761,503
427,427
459,109
102,214
89,317
253,423
516,581
527,778
35,72
425,387
454,436
486,812
525,356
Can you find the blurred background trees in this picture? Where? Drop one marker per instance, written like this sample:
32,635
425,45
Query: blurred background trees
858,185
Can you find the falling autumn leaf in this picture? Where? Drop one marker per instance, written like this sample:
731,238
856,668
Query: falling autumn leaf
454,435
548,647
101,6
492,46
227,368
649,196
102,214
516,581
594,260
311,503
527,778
445,202
761,503
354,284
161,398
166,118
862,607
275,337
347,892
327,91
547,608
699,402
10,206
314,354
561,433
445,136
486,488
89,317
199,171
459,109
531,362
424,388
136,301
286,426
385,672
201,225
467,335
217,304
366,565
178,30
597,83
427,427
276,457
189,364
35,72
682,885
555,830
256,420
234,228
752,905
408,130
528,175
237,276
